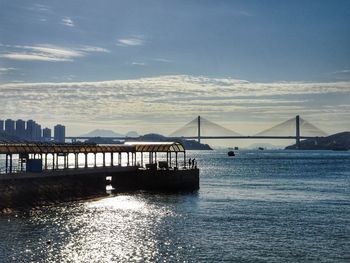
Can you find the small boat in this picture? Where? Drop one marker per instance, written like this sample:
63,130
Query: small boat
231,153
261,148
236,148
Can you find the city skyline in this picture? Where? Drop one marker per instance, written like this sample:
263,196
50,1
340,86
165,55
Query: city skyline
32,131
155,66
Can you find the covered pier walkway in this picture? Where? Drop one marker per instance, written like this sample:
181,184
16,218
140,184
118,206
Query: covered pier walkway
21,158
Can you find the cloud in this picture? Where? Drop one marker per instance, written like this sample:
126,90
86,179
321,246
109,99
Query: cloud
94,49
49,53
130,42
169,101
67,21
40,8
4,70
163,60
344,71
138,64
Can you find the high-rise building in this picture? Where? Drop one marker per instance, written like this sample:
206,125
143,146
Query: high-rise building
30,131
1,125
60,133
20,128
10,126
37,132
47,134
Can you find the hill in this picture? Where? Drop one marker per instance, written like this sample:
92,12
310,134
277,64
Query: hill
189,144
108,133
338,141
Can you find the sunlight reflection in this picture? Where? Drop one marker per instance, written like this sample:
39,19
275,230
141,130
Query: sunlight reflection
120,202
119,228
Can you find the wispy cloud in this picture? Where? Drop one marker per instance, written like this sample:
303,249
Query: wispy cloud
39,8
4,70
344,71
177,98
93,49
163,60
67,21
45,52
138,64
130,42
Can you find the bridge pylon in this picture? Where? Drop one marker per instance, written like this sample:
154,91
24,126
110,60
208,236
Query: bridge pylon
199,128
297,131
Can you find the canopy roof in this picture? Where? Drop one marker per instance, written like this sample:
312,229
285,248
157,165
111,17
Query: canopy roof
39,148
157,146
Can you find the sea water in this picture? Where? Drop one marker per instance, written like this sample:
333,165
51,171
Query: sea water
259,206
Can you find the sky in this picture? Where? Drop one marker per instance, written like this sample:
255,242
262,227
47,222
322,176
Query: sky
152,66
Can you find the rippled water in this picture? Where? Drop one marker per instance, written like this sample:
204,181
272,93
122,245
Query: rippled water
257,207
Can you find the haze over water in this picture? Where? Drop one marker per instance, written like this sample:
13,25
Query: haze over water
261,206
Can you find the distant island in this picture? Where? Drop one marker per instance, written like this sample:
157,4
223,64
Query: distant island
109,133
337,142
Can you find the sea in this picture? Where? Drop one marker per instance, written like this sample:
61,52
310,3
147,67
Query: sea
259,206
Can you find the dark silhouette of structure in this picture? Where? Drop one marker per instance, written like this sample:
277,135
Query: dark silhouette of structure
59,133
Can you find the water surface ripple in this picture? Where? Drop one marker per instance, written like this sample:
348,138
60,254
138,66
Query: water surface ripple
278,206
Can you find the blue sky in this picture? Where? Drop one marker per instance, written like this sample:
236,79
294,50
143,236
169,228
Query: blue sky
203,42
253,40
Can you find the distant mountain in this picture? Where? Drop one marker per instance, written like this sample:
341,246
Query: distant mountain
189,144
338,141
132,134
102,133
97,137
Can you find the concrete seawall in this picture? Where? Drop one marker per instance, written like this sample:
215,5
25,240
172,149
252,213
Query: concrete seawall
26,189
157,180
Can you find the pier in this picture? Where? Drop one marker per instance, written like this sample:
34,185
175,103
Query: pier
56,172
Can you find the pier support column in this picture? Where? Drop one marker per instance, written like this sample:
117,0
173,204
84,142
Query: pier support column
53,161
176,164
142,159
21,161
119,159
185,160
95,161
170,159
104,159
86,160
45,165
7,163
11,163
112,161
128,163
76,160
57,161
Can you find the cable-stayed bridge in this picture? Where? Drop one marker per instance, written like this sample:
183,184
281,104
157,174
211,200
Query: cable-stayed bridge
294,128
201,128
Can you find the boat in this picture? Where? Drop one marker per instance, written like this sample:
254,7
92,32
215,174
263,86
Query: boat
261,148
231,153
